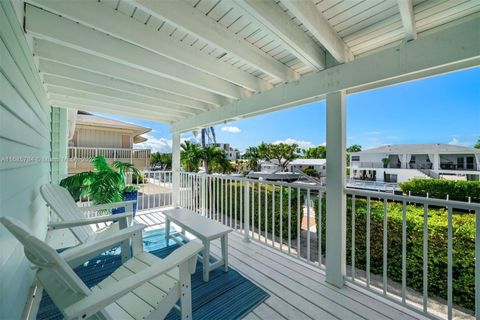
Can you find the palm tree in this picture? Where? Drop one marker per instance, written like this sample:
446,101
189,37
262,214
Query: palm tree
215,159
104,184
190,156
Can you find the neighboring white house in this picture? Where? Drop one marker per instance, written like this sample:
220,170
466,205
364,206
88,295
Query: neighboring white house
399,163
319,165
232,154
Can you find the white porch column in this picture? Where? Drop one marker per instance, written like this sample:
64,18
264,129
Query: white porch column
176,169
336,201
436,162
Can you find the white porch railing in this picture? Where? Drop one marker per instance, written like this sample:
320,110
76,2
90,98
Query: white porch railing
290,217
155,190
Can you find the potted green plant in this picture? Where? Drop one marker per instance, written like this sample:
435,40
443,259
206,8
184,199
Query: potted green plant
385,161
130,192
105,184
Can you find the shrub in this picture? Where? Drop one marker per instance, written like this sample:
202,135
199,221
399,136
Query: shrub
439,188
138,178
254,210
463,247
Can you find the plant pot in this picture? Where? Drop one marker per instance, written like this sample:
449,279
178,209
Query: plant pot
128,196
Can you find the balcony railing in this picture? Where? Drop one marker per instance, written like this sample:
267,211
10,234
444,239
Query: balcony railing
108,153
291,218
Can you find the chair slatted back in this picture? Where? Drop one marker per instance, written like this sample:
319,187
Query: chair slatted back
55,275
60,200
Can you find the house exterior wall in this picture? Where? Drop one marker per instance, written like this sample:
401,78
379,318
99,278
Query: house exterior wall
24,132
101,138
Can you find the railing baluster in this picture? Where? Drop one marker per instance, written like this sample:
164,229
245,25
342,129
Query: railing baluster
450,264
273,216
368,240
298,223
319,226
308,225
236,204
252,206
353,237
281,217
241,204
222,202
259,209
230,224
404,250
289,219
425,258
385,234
266,213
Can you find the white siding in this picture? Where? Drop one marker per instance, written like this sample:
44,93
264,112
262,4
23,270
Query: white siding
100,138
25,132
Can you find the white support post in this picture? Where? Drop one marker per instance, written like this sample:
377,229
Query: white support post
176,169
246,212
336,201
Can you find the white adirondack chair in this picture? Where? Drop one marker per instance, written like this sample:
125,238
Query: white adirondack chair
60,201
144,287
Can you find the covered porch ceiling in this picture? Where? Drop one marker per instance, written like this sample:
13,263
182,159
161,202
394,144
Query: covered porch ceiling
194,63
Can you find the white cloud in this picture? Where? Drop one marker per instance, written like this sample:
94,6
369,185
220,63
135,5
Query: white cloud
155,144
301,143
456,142
231,129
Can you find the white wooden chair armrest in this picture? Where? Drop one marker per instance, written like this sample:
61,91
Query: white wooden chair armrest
87,221
79,254
125,204
101,298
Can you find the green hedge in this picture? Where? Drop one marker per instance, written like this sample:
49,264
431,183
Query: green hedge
463,247
254,213
439,188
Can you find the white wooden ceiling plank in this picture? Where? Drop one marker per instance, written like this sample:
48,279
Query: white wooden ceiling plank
220,10
340,8
141,16
228,19
352,13
57,28
313,20
446,16
269,14
90,106
110,99
54,52
424,13
378,29
191,19
376,14
388,38
117,94
68,72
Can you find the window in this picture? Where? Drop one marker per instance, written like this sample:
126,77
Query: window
470,163
460,162
355,158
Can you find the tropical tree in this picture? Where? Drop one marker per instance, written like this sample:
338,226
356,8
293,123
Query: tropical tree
215,159
282,152
162,159
190,156
105,184
319,152
252,155
354,148
477,145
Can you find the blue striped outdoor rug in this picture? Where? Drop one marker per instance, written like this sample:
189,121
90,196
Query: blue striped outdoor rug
228,295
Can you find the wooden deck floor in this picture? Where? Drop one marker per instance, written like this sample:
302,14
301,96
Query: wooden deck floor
297,291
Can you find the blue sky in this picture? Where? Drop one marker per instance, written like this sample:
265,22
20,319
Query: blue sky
444,109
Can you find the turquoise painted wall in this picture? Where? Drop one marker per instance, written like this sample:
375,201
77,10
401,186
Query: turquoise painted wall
25,150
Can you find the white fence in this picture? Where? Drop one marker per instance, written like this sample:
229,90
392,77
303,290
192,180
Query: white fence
155,191
286,217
